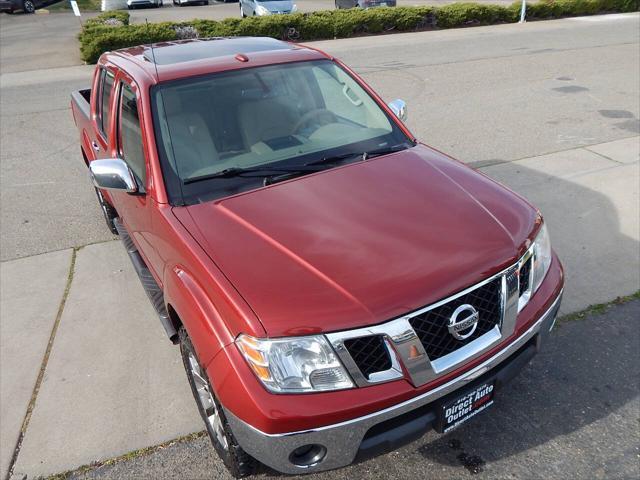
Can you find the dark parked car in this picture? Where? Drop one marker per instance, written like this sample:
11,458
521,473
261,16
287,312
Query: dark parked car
182,3
27,6
364,3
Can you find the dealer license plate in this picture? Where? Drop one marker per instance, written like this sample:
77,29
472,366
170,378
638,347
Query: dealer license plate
467,405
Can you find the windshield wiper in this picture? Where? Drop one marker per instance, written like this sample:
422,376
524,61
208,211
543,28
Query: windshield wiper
240,172
279,174
334,158
362,155
383,151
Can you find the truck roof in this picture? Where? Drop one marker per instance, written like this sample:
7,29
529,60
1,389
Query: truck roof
182,58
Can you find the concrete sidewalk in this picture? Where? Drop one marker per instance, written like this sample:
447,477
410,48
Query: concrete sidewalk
114,384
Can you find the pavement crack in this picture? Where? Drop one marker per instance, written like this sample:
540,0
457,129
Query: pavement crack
604,156
43,365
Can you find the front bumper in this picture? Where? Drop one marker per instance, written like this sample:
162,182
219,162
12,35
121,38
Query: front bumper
391,427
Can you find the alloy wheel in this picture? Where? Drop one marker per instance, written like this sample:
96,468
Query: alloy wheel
207,403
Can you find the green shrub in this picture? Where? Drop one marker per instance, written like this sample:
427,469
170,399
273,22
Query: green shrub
100,35
461,14
112,39
571,8
100,19
96,26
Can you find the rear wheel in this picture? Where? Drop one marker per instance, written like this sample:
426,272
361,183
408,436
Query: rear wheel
108,211
28,6
237,461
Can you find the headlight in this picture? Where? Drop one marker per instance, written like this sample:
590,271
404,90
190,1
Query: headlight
295,364
541,256
294,8
260,10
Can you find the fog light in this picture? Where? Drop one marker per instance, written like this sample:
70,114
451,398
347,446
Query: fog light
308,455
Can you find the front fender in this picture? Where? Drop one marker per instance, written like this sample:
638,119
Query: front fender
202,320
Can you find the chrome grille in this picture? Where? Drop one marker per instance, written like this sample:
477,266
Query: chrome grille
370,354
431,326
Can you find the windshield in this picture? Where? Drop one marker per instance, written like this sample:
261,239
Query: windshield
263,120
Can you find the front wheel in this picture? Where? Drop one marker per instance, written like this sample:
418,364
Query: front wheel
28,6
237,461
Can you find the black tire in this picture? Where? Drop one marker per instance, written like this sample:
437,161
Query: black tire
108,211
238,462
28,6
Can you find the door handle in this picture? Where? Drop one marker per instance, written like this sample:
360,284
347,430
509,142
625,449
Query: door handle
95,146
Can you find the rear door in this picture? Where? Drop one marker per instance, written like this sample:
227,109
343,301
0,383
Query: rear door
102,108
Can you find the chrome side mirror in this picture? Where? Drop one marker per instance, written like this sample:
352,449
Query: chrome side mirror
399,108
112,174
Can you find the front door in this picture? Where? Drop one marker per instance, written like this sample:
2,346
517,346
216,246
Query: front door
133,209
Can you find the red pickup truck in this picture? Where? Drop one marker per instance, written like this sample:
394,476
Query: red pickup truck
336,288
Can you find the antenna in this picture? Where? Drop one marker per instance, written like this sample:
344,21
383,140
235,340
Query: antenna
153,53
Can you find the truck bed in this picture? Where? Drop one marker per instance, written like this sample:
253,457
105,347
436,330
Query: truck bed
81,99
81,108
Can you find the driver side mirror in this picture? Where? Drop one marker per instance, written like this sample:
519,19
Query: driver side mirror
399,108
112,174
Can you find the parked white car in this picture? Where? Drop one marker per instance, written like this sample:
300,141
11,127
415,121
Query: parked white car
249,8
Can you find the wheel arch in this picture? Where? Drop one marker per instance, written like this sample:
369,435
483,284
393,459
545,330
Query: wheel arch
189,306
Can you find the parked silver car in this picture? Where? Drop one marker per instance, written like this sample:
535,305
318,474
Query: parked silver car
364,3
249,8
143,3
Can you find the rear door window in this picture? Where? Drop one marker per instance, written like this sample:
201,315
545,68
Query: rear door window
104,115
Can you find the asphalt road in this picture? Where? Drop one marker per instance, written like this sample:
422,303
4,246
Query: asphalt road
571,414
484,95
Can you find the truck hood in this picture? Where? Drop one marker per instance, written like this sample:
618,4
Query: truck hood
363,243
